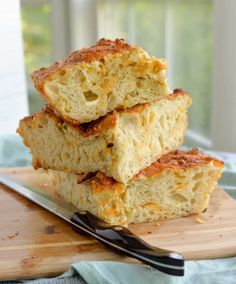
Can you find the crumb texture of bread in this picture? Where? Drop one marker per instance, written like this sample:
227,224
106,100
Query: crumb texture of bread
118,145
179,184
99,195
94,81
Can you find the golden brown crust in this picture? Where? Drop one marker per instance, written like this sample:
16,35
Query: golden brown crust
100,182
36,164
93,128
178,93
136,108
179,160
99,125
97,52
174,160
101,49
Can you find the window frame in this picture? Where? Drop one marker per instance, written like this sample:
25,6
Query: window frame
224,77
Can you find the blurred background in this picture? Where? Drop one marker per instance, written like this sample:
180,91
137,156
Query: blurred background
195,36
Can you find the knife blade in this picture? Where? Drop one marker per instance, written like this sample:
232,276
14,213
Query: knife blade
117,238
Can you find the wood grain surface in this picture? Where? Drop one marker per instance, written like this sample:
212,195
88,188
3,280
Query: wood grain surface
35,243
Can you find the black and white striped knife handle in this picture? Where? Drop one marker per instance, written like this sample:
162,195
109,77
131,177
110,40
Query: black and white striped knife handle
124,241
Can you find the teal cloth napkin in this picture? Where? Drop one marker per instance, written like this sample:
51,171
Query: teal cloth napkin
13,154
106,272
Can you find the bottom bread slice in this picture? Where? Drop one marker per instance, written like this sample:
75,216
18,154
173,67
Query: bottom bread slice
178,184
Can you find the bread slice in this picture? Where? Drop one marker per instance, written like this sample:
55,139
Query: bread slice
178,184
119,144
94,81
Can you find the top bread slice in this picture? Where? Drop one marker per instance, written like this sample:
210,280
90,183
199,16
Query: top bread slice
94,81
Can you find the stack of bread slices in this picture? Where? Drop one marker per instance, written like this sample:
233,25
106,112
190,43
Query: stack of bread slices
110,133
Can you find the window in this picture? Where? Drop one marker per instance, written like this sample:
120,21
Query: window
45,30
193,35
174,30
37,43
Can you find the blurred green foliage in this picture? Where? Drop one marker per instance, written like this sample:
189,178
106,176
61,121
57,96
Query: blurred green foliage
180,31
37,45
192,58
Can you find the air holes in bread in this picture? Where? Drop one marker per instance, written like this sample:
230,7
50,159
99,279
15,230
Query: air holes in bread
140,82
66,156
132,64
43,121
54,89
196,186
162,121
198,176
90,96
110,145
179,198
62,72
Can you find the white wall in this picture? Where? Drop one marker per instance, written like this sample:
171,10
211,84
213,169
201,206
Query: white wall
13,98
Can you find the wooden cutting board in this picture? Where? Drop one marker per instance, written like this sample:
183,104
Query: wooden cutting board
35,243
